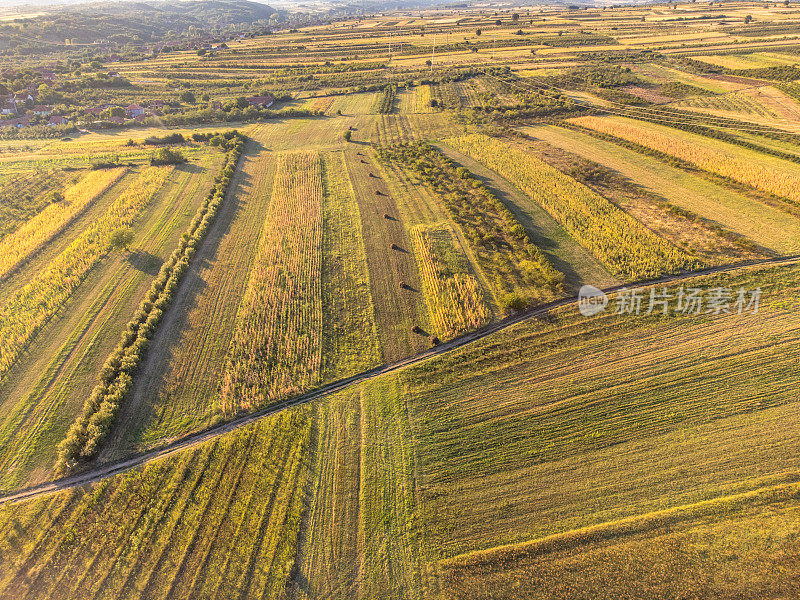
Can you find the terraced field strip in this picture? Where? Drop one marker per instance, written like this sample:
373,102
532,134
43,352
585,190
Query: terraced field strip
167,531
766,173
397,310
628,249
28,310
275,351
766,226
179,380
56,217
48,385
695,545
564,252
604,418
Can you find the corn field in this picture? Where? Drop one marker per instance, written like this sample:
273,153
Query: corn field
624,245
455,299
758,171
28,309
36,232
423,99
276,349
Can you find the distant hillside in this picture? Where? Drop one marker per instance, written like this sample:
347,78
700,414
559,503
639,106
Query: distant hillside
129,22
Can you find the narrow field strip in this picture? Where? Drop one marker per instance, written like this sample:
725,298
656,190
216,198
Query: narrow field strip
276,349
33,305
455,298
765,173
36,232
620,242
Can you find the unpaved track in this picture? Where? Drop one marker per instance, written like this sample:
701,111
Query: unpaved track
177,445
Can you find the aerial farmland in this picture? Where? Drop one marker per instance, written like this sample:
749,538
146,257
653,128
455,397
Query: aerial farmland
485,301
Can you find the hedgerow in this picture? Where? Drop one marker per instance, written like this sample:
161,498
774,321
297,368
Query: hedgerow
88,432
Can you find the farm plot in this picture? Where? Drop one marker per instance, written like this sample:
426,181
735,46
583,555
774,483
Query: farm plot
26,311
391,263
575,262
766,173
455,297
767,226
220,520
605,418
349,333
276,348
620,242
53,219
517,270
48,384
25,194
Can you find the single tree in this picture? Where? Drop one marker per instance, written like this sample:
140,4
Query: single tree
121,239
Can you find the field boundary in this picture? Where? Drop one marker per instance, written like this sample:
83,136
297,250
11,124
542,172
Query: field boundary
176,445
641,523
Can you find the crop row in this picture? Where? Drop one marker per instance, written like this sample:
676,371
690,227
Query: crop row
276,348
505,253
29,308
623,244
455,299
385,103
746,167
39,230
25,194
88,432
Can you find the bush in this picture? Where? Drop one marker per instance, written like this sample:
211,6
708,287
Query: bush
514,302
167,156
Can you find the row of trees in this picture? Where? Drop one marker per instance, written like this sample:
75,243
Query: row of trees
87,434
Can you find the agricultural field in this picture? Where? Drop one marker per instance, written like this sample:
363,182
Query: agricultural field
447,303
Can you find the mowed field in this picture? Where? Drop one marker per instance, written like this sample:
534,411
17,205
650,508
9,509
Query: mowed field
383,268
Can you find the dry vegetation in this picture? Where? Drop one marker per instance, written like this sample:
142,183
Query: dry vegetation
275,350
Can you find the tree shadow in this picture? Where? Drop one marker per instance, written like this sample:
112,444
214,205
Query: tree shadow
144,261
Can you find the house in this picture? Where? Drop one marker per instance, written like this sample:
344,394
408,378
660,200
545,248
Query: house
57,120
134,110
42,111
261,101
19,122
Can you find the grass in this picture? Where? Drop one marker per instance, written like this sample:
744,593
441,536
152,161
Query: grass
765,173
23,195
276,348
559,425
349,333
166,530
617,240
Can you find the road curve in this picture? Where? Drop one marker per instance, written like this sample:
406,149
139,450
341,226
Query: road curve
193,439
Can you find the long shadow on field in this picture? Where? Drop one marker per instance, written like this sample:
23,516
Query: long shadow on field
144,261
150,392
542,241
